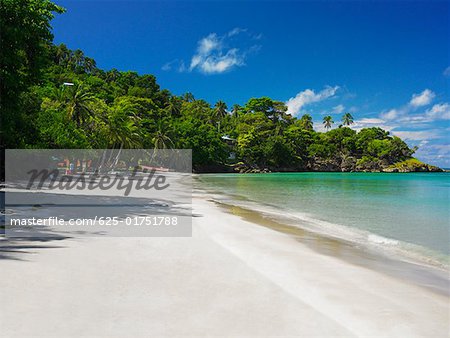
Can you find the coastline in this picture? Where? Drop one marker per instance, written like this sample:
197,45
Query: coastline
233,277
411,165
397,259
381,244
413,269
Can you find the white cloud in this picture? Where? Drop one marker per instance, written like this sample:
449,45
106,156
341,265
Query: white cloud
447,72
407,113
371,121
422,99
423,143
419,135
440,111
391,114
437,153
168,66
308,96
338,109
217,54
236,31
441,149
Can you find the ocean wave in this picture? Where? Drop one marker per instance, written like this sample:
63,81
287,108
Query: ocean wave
381,240
358,237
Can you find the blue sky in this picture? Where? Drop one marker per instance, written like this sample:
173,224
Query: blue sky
385,62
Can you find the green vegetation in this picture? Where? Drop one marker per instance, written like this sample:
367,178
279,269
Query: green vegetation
54,97
328,122
411,165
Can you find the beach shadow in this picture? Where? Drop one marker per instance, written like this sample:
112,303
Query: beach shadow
18,248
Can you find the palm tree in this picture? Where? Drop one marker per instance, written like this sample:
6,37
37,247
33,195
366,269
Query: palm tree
122,132
78,104
220,109
62,54
235,110
172,107
306,122
89,65
328,121
112,75
123,128
78,57
188,97
161,139
347,119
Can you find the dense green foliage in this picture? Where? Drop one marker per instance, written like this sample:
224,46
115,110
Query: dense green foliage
25,36
53,97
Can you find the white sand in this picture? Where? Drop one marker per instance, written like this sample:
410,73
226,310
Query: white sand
232,278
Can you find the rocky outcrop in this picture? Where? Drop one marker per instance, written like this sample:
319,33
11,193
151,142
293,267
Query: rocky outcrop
347,164
323,165
243,168
411,165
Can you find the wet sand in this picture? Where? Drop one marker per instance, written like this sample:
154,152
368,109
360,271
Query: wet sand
433,278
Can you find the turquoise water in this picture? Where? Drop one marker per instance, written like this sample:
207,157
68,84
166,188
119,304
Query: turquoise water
409,208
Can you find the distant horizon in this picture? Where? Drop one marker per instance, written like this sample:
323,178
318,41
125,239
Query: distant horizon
385,63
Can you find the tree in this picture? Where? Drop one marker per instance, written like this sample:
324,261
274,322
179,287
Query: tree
274,110
188,97
62,54
278,152
112,75
173,107
161,139
25,38
78,104
198,109
306,122
236,110
220,110
327,122
89,65
122,130
78,60
366,135
204,140
347,119
56,131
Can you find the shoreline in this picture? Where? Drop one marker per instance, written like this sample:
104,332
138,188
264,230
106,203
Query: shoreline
389,285
443,170
381,245
233,277
429,276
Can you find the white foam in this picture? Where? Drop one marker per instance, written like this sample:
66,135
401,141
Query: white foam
381,240
402,250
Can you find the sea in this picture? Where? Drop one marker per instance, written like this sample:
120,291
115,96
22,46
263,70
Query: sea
408,212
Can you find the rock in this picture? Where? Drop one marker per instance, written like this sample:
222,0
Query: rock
411,165
348,164
323,165
390,170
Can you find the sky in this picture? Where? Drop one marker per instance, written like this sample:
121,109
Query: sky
385,62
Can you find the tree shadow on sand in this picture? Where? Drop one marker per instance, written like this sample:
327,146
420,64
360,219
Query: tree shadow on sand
18,248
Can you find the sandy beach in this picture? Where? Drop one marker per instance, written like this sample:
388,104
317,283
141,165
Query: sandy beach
233,277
